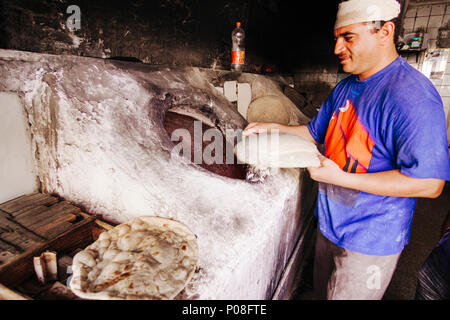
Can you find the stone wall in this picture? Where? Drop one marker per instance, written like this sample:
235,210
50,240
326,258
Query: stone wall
170,32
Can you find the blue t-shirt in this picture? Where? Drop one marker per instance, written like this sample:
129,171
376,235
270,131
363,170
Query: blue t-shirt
392,120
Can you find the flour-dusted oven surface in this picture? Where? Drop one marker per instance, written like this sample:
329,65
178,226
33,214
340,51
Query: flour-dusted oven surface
99,141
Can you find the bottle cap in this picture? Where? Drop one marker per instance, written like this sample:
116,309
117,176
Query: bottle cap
238,24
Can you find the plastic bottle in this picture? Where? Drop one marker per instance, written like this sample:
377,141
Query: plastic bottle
238,49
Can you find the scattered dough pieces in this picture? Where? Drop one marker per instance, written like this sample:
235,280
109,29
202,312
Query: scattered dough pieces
146,258
277,151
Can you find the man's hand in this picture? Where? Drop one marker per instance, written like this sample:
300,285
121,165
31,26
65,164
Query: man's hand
267,127
328,172
262,127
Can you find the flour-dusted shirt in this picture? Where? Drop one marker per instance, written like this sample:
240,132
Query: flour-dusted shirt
392,120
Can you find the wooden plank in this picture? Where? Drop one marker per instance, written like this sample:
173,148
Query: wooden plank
13,203
103,225
29,211
25,201
8,294
32,216
19,242
9,225
36,221
8,251
5,256
96,231
56,230
42,228
6,245
16,235
98,227
31,286
58,291
17,239
12,245
79,236
69,240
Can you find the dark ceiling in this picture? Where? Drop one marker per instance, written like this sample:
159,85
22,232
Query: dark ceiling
290,35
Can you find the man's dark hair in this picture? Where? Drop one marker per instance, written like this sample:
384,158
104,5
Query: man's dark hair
378,24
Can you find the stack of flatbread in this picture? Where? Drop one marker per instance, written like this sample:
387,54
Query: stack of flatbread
145,258
273,150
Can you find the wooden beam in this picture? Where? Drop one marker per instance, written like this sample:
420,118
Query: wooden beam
8,294
21,266
25,201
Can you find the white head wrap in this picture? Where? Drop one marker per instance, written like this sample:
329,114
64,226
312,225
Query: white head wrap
355,11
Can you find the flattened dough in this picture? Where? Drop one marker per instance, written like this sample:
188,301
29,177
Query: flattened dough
146,258
269,109
277,151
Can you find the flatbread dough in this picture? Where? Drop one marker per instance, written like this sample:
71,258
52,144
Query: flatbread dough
269,109
277,151
147,258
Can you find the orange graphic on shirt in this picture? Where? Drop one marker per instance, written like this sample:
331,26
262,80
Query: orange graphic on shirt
348,142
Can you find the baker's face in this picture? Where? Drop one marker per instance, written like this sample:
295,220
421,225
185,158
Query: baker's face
357,48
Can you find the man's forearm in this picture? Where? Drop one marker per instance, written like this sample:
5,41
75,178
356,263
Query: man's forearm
301,131
260,127
392,183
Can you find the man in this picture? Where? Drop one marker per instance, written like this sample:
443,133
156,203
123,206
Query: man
385,144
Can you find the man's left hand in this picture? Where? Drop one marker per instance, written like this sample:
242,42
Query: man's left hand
328,172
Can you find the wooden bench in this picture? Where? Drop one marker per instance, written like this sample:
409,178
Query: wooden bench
34,223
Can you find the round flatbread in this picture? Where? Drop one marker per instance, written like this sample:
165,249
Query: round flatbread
274,150
147,258
269,109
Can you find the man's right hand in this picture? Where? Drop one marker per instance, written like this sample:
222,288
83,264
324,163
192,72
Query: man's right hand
267,127
262,127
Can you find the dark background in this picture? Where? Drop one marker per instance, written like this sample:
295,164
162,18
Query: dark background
289,35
